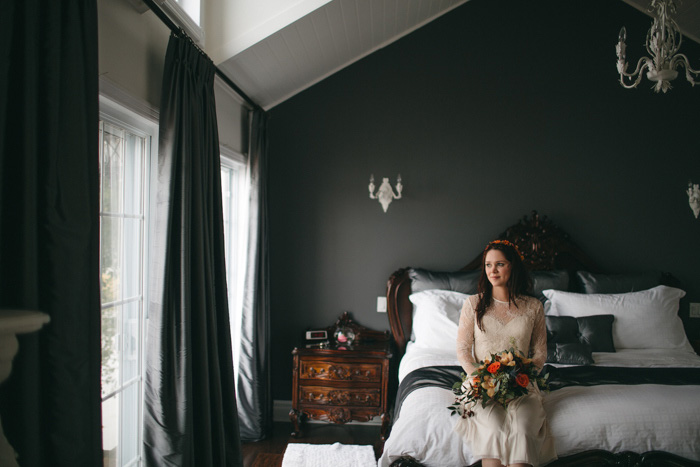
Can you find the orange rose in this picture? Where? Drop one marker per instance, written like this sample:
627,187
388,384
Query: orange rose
493,368
522,380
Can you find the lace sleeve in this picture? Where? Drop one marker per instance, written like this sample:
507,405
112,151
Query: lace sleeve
465,338
538,341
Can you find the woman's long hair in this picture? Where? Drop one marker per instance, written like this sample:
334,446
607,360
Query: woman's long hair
518,284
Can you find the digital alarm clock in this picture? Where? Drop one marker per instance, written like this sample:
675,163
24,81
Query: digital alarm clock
316,335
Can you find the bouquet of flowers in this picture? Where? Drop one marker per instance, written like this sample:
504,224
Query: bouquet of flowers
500,379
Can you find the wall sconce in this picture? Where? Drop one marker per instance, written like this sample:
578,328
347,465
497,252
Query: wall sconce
694,198
385,194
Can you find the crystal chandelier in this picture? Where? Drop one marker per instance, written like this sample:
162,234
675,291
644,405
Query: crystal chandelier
663,42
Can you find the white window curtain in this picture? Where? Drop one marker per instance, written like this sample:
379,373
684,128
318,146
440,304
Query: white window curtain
253,369
236,204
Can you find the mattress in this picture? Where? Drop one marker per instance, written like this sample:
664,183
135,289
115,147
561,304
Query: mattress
615,418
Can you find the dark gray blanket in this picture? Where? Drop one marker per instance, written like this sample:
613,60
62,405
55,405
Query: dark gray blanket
446,376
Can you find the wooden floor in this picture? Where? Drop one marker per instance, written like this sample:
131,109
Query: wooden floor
269,452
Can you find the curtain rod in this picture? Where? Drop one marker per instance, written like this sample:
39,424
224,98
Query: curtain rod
178,30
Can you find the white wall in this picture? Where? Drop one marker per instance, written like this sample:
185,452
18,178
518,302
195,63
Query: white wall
132,48
232,118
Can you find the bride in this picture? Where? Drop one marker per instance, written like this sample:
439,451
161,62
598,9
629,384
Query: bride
503,312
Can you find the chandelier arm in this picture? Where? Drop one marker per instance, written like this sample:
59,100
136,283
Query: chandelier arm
681,59
643,63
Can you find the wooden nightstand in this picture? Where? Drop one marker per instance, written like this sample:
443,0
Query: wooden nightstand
339,382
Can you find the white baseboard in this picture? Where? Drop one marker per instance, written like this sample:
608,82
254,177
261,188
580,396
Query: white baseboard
280,413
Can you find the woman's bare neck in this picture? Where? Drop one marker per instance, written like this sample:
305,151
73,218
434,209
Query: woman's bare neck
500,294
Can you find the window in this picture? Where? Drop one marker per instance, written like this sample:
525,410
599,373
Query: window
191,7
125,156
234,190
186,14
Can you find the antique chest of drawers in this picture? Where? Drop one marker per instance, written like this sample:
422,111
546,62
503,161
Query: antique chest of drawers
339,383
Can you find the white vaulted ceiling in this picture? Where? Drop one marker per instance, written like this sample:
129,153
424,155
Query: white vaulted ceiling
324,41
315,38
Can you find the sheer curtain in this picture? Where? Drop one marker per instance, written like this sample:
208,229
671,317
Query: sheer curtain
49,228
190,415
253,379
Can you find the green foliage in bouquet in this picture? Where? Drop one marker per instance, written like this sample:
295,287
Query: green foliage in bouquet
501,379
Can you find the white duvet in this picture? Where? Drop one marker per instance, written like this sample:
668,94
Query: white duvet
615,418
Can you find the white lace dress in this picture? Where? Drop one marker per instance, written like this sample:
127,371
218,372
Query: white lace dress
518,434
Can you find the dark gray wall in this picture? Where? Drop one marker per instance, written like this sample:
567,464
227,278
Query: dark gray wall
497,108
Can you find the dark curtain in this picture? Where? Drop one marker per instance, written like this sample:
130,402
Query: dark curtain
190,416
254,395
49,227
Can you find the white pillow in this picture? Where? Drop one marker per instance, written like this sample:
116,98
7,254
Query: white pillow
436,318
643,320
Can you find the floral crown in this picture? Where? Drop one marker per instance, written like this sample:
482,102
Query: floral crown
507,243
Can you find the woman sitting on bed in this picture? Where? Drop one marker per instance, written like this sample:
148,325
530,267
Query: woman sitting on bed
501,316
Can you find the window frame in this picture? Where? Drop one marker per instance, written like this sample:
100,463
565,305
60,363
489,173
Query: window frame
119,115
235,160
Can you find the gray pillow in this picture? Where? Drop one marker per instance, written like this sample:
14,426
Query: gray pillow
543,280
594,331
618,283
465,282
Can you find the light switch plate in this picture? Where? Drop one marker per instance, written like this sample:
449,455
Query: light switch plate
695,310
381,304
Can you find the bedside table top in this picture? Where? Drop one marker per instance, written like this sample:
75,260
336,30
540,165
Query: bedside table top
380,349
367,342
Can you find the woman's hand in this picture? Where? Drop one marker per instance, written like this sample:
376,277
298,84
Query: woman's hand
472,382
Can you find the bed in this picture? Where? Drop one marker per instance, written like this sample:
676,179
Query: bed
625,379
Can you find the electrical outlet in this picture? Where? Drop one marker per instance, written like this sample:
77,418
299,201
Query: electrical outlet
695,310
381,304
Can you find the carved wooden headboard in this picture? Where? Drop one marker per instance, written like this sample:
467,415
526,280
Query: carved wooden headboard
544,246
